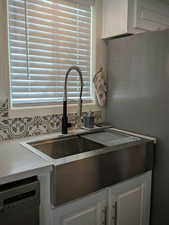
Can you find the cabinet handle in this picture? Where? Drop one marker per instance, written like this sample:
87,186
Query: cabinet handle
105,216
115,213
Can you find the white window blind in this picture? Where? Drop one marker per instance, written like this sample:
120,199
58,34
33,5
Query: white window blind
46,37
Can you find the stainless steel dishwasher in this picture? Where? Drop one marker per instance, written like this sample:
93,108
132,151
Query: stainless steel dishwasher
19,202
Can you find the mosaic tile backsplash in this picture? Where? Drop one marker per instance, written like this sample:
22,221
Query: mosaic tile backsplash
32,126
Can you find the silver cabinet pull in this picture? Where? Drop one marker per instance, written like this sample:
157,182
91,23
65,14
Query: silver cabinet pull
105,216
114,218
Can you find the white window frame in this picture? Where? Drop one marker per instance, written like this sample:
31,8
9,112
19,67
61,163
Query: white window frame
56,109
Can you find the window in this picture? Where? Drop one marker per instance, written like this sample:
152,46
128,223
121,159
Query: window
46,37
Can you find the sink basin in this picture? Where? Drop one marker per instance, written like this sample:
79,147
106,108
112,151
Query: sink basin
62,147
85,163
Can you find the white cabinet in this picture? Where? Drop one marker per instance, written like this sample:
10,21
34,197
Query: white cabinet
121,17
90,210
127,203
152,15
128,207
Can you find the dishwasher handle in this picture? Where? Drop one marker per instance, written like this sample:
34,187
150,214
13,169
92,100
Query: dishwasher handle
25,195
1,205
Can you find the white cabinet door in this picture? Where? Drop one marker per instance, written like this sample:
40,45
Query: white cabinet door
152,15
129,202
91,210
129,207
119,18
115,14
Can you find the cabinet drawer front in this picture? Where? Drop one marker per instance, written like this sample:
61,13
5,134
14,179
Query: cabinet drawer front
152,15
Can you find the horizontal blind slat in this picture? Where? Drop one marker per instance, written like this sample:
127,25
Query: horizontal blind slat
21,55
49,82
49,7
21,40
72,83
48,94
61,22
38,71
46,65
45,36
58,81
37,14
47,90
40,51
83,5
49,61
48,45
48,71
50,25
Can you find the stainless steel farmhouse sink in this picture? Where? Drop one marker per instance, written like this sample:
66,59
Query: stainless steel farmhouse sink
85,163
63,147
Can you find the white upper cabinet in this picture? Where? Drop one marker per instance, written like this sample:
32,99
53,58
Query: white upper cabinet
122,17
152,15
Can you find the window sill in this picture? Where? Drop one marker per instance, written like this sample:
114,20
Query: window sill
48,110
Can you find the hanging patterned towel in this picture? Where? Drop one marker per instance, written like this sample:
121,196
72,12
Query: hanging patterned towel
99,81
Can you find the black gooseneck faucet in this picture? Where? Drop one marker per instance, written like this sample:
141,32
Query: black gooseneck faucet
65,123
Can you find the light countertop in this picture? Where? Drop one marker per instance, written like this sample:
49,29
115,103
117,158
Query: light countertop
16,162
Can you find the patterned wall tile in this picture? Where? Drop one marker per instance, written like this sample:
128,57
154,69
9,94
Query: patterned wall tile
4,109
32,126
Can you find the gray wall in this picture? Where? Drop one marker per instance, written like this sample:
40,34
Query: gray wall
138,100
